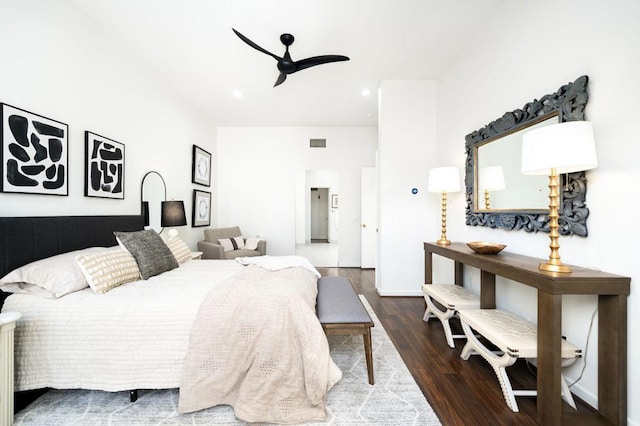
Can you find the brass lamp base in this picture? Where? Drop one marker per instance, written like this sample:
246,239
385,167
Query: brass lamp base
554,264
549,267
443,229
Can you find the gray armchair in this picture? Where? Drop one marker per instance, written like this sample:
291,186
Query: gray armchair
212,249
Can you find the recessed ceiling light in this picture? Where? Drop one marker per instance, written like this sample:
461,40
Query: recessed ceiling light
237,94
365,92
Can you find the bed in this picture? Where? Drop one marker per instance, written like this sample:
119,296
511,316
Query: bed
224,333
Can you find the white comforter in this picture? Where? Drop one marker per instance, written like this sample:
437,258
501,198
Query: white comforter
133,337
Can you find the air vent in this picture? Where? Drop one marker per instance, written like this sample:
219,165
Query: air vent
317,143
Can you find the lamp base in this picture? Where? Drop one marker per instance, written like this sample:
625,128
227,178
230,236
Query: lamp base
172,233
443,242
550,267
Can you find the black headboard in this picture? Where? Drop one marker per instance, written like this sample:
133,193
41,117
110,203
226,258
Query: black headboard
26,239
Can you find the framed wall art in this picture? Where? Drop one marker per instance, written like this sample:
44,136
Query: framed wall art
34,156
103,167
201,209
201,166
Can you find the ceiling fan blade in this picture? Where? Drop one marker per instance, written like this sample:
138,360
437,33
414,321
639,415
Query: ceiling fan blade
255,46
281,78
318,60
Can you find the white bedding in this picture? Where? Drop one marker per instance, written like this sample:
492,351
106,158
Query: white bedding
139,342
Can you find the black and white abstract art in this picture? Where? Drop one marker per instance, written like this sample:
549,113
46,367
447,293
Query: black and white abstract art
103,167
201,208
34,156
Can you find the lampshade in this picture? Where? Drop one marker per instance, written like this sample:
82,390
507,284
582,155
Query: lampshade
173,214
444,179
567,147
491,178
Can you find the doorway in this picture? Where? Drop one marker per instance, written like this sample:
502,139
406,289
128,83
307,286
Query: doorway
317,233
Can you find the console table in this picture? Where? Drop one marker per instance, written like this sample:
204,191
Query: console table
612,291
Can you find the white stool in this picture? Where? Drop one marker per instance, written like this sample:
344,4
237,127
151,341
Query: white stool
516,338
452,297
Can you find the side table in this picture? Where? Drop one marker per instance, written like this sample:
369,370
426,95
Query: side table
7,325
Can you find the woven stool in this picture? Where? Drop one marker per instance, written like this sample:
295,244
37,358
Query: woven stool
516,338
452,297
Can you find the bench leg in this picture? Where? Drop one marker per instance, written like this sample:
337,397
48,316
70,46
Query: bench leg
443,316
498,363
368,354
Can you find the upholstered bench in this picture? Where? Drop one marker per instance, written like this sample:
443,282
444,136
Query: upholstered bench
516,338
452,297
341,312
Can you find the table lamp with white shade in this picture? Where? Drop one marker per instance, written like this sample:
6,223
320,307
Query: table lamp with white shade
490,178
559,148
443,180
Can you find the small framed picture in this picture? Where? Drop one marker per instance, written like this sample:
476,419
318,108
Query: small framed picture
334,201
103,167
201,166
201,211
34,156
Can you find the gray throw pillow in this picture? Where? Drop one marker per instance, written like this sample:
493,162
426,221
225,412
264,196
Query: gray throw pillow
151,253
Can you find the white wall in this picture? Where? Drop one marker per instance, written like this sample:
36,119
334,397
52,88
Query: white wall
531,49
406,152
56,64
261,179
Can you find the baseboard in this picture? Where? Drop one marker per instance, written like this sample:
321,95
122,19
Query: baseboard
407,293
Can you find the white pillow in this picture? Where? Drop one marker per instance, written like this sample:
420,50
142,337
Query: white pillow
51,277
229,244
107,270
251,243
179,249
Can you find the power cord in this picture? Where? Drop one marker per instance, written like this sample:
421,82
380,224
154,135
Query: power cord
586,348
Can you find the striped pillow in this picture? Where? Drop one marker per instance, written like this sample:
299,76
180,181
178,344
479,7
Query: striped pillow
107,270
179,249
229,244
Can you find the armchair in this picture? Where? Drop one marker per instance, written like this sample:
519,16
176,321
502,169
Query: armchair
211,247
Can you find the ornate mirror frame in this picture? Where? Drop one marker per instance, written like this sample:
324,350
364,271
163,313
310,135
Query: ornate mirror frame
569,103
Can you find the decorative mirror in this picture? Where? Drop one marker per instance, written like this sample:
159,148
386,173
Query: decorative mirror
498,195
153,192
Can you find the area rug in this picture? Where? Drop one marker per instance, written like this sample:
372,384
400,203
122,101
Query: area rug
395,399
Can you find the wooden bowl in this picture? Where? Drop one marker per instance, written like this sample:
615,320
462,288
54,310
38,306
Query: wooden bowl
484,247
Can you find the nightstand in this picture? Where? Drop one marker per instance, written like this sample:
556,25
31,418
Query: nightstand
196,255
7,325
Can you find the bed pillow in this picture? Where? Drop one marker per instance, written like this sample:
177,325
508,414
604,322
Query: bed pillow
151,253
51,277
251,243
229,244
107,270
179,249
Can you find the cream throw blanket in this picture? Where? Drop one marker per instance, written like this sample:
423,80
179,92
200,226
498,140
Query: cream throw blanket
258,346
275,263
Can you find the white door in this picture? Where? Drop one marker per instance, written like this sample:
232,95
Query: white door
368,218
320,214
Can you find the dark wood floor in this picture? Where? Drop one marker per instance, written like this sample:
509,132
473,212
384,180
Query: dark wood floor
460,392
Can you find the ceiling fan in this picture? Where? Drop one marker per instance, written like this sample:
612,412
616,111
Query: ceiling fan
286,65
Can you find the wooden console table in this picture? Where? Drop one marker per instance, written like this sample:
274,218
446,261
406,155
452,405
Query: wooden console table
612,291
